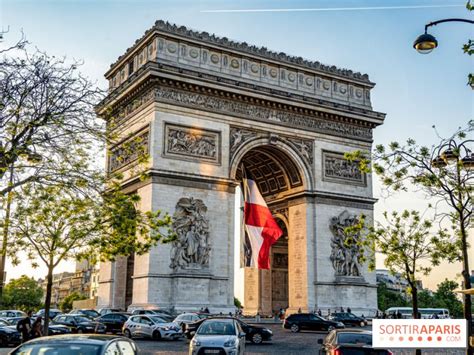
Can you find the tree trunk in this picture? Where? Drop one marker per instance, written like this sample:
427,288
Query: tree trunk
47,301
467,285
414,299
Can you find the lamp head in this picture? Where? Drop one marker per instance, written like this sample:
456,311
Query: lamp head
425,43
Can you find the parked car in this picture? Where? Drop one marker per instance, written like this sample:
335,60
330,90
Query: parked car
160,313
9,336
52,313
186,318
78,344
89,313
12,314
104,311
309,321
218,336
79,324
255,334
58,329
350,341
151,326
348,319
4,322
113,322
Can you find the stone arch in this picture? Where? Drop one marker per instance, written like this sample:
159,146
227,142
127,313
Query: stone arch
279,146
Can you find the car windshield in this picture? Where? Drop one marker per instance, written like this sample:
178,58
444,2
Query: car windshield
216,328
91,313
81,319
59,349
157,319
354,338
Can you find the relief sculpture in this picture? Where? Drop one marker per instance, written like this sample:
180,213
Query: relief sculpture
336,167
191,248
191,143
345,247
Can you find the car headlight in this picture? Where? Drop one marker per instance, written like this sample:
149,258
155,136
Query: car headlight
230,343
195,342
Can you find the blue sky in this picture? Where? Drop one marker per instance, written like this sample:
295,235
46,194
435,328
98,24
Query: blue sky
416,91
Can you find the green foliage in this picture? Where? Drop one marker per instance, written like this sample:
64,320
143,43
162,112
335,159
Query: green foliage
426,299
66,303
237,303
387,298
23,293
468,48
445,297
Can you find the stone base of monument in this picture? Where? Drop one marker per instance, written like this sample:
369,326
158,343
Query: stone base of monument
350,280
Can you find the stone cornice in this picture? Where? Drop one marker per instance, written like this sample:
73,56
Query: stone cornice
223,42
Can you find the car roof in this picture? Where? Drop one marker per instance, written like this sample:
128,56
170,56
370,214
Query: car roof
227,320
123,313
73,338
353,330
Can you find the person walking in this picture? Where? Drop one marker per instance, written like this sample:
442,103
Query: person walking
37,328
319,312
349,310
24,327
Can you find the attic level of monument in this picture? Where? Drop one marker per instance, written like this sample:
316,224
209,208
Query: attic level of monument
206,58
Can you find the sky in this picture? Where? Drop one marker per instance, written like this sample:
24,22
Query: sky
415,91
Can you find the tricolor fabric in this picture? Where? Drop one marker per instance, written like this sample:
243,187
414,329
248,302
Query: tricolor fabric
261,230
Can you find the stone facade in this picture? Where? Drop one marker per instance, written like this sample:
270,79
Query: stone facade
201,107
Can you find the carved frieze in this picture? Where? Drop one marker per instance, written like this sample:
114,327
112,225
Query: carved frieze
262,113
346,252
304,147
128,151
192,144
191,248
336,168
238,136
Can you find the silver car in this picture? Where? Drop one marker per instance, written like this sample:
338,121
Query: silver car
218,336
151,326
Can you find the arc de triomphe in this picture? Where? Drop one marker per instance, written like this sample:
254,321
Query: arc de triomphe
202,106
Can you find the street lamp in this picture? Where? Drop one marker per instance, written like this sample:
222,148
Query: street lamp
425,43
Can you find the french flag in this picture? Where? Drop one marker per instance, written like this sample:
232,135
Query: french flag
261,230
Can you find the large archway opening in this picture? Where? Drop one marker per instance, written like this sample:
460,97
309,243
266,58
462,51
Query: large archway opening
279,179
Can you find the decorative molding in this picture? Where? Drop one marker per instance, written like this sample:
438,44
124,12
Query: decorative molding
224,42
239,136
304,147
338,169
128,150
191,249
189,143
255,112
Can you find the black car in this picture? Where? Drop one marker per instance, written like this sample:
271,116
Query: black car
348,319
350,341
253,333
113,322
9,335
78,323
309,321
52,313
89,313
78,344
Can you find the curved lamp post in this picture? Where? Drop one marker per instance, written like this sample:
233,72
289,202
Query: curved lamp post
425,43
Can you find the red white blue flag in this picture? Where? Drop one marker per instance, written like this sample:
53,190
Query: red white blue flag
261,229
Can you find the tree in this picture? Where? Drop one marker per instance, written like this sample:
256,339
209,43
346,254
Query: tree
23,293
237,303
54,223
426,299
445,297
66,303
405,240
387,298
444,172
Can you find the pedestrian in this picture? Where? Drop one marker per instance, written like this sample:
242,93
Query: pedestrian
206,310
329,312
349,310
342,309
299,310
24,327
257,317
319,312
36,328
384,315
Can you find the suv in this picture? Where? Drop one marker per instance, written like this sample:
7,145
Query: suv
309,321
113,322
348,319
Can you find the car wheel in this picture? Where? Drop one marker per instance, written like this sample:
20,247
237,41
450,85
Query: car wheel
156,335
127,334
257,338
330,328
295,328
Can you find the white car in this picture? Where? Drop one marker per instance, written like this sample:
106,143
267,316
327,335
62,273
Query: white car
186,318
151,326
12,314
218,336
